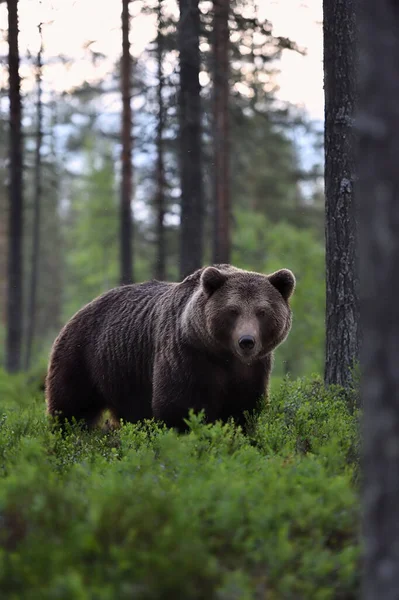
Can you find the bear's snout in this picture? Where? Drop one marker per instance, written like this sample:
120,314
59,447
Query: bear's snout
246,342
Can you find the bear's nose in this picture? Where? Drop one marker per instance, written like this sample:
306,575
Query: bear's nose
246,342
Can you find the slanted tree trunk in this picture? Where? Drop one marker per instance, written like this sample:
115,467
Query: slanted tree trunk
126,225
15,228
342,343
34,274
160,264
192,209
378,190
221,245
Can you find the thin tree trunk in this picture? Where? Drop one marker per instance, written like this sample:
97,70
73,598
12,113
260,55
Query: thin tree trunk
342,344
15,229
56,272
378,188
192,209
36,212
126,225
221,242
160,266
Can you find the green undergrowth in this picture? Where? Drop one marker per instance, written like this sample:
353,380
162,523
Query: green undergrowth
144,513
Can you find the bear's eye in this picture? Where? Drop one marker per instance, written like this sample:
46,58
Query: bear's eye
232,311
261,312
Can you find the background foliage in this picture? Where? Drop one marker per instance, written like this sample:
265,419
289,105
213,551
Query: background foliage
277,200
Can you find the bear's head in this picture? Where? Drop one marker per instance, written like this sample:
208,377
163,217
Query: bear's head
242,312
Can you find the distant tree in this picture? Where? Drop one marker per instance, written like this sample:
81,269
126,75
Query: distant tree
342,343
221,131
15,229
378,189
37,200
126,225
192,203
160,262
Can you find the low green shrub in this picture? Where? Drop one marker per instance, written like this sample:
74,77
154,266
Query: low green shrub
145,513
306,418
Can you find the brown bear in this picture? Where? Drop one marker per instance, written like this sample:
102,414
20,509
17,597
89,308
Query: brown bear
158,349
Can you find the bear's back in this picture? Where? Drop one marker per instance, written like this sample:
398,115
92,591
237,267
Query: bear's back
110,325
127,311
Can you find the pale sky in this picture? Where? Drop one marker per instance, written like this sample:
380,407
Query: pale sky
69,24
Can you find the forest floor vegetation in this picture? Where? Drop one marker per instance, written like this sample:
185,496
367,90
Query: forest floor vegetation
142,512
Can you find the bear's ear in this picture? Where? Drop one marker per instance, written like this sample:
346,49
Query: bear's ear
284,282
212,279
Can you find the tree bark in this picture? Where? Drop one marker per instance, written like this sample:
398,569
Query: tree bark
15,229
221,242
36,211
126,224
160,265
378,125
192,209
342,304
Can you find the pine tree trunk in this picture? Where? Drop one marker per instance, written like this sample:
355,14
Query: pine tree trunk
32,308
378,189
342,344
221,242
126,225
15,229
192,209
160,265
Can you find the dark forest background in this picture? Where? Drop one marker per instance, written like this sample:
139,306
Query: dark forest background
207,166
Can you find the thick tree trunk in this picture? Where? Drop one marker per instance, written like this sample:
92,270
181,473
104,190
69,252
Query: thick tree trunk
342,343
126,224
378,188
32,309
192,209
221,242
160,264
15,229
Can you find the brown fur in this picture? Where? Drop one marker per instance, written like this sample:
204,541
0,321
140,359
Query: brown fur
158,349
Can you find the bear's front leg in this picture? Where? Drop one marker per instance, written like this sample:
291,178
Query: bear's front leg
176,390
